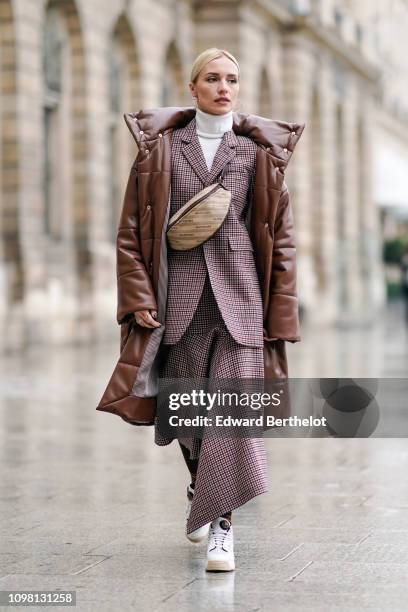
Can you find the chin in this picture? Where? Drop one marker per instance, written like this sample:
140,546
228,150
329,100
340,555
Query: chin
221,110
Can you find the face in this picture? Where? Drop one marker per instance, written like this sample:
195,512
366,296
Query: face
216,86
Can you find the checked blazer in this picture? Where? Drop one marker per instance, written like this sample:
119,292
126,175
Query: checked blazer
228,255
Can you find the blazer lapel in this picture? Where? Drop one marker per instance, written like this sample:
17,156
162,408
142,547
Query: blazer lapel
193,153
225,153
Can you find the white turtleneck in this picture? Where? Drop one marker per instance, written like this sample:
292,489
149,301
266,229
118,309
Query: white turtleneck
210,130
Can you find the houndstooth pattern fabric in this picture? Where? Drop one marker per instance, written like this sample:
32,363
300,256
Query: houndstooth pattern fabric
228,255
231,471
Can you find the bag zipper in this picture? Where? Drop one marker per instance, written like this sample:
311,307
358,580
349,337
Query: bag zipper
217,186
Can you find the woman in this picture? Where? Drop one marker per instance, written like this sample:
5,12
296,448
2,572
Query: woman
220,310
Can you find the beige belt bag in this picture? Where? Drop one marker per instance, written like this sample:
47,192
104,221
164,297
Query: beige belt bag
199,218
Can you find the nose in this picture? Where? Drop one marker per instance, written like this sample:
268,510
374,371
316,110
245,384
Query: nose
223,86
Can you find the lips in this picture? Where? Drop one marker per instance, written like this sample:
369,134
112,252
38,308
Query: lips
222,100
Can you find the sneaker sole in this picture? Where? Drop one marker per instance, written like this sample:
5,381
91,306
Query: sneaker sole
219,566
197,539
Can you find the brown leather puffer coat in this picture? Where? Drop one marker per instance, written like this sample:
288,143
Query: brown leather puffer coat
142,251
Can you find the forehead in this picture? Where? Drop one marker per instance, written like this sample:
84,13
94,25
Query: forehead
221,65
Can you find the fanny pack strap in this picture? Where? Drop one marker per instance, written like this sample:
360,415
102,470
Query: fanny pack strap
223,173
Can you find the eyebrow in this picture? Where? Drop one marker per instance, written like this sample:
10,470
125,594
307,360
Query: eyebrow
218,74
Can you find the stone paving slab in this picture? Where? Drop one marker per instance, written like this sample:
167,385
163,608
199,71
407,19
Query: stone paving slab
319,535
366,552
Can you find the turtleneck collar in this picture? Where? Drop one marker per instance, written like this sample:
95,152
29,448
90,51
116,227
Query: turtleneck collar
213,126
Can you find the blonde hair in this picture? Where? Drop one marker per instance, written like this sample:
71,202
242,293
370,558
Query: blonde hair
207,56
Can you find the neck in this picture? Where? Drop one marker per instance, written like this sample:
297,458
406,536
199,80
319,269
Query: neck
213,126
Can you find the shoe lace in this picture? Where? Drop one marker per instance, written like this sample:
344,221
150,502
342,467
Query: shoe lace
219,536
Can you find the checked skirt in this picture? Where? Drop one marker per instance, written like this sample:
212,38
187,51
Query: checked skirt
231,470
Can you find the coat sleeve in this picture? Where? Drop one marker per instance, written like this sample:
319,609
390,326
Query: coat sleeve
134,287
283,312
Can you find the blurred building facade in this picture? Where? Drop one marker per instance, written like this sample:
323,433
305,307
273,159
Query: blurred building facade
71,68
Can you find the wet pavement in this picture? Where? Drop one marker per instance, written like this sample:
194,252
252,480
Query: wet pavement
89,503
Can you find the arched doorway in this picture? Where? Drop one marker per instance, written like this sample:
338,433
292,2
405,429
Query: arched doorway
265,99
174,91
65,144
123,95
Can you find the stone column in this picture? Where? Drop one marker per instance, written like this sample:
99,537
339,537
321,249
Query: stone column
322,168
297,75
96,27
351,311
27,317
371,264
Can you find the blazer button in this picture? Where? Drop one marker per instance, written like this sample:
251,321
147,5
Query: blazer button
160,135
293,133
148,207
285,149
141,132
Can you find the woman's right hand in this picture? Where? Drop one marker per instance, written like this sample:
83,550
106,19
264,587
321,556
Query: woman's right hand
146,318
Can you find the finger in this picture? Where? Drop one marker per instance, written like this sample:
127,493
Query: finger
153,323
144,324
140,319
147,320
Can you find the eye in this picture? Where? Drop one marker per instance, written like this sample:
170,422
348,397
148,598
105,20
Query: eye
214,78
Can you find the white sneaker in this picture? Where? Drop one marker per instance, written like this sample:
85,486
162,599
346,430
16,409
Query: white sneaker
220,550
198,534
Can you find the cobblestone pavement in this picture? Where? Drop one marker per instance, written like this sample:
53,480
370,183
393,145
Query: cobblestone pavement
89,503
